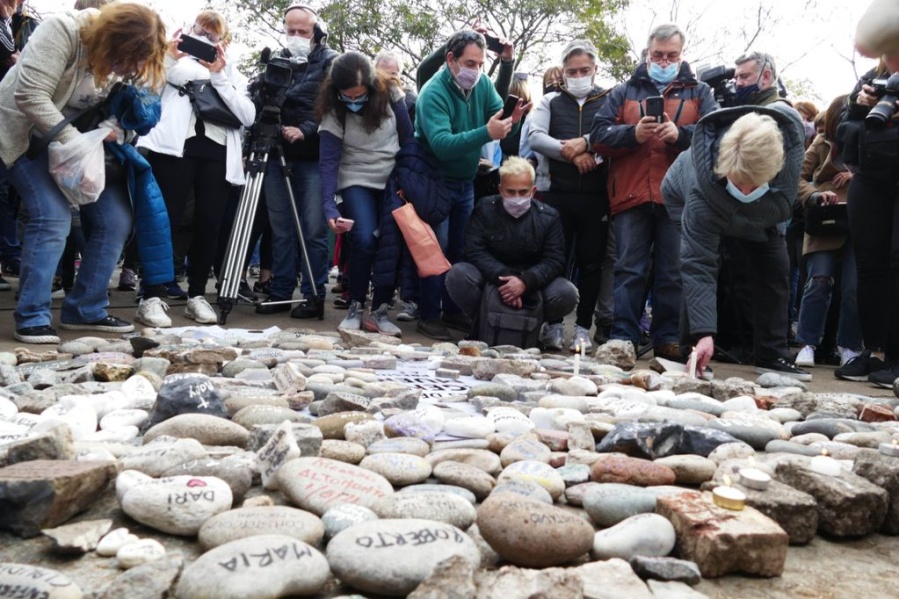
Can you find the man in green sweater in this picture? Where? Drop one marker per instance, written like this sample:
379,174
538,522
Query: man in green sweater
458,111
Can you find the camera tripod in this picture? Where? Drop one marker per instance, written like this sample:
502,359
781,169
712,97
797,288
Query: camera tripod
264,139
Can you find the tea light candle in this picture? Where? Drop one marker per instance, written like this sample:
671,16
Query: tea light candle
826,465
691,364
753,478
729,498
577,359
890,449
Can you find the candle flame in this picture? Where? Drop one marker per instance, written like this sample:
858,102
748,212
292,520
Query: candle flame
895,441
727,480
824,452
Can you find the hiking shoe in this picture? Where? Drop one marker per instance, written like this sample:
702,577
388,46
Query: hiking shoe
669,351
4,284
434,329
782,366
127,280
408,313
245,294
152,312
342,301
603,333
858,368
457,321
885,377
806,357
263,287
306,310
353,319
846,354
174,291
199,309
552,337
377,322
110,324
580,340
39,334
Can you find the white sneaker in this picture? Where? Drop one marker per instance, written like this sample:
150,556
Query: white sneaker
580,340
806,357
152,312
199,309
552,337
378,322
847,354
353,319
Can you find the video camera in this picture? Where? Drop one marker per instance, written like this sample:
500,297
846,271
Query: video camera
721,80
269,89
888,92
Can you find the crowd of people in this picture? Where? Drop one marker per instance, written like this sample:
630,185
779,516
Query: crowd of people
658,212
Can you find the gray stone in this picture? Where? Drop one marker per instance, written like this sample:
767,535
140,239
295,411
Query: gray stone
525,449
509,581
78,538
689,469
534,472
769,380
280,448
666,569
400,469
307,436
208,430
440,488
673,590
778,446
830,427
234,470
882,471
343,516
255,568
393,557
33,581
607,504
245,522
162,454
256,415
336,402
451,579
611,579
342,451
317,484
618,353
152,580
185,394
178,505
442,507
464,475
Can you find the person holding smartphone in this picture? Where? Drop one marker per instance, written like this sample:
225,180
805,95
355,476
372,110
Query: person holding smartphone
364,121
191,157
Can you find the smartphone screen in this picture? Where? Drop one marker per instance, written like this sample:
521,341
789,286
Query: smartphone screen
197,48
493,44
509,105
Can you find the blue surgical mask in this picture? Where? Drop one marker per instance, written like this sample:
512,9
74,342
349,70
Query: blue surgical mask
747,198
661,74
355,104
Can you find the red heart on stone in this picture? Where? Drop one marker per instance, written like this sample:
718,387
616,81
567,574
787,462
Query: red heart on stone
194,482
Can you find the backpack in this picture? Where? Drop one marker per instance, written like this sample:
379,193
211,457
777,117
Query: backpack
501,324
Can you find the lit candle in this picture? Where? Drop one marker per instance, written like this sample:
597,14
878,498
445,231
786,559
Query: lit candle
890,449
577,360
753,478
826,465
691,364
728,497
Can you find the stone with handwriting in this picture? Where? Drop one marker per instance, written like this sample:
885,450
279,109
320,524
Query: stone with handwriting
178,505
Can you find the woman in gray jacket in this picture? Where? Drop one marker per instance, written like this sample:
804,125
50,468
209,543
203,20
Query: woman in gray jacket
70,63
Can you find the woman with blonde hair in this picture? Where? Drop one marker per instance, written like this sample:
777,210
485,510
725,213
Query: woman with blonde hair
70,64
737,181
191,156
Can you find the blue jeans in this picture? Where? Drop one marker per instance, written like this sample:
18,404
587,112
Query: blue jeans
451,236
106,224
821,267
642,233
306,183
363,205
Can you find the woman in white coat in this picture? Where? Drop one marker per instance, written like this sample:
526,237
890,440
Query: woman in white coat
190,156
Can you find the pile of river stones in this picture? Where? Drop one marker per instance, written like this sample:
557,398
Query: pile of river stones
289,466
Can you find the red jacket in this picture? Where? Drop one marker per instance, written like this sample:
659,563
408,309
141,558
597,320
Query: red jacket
636,170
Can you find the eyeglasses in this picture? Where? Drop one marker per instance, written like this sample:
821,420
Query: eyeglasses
659,57
198,30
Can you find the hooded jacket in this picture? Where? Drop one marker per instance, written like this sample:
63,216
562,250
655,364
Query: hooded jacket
299,105
698,202
636,170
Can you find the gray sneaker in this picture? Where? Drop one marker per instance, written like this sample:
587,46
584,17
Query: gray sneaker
408,313
580,340
377,322
353,319
552,337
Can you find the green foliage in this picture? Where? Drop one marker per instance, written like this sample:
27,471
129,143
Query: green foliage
616,58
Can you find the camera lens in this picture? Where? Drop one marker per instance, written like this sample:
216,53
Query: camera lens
880,115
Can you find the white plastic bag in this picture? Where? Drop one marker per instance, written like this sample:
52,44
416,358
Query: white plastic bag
79,166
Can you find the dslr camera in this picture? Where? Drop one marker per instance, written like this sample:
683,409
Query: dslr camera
721,80
888,92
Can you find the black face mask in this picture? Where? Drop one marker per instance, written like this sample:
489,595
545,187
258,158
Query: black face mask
551,88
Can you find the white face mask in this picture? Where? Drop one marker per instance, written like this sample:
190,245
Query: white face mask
516,206
579,87
298,46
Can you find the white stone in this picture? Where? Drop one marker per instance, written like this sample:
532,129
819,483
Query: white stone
7,409
428,505
162,454
649,535
510,420
401,469
139,552
113,435
178,505
473,427
120,418
535,472
280,448
37,582
743,403
139,391
128,479
555,418
114,540
81,419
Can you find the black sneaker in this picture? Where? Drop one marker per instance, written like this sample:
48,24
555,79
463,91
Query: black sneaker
308,309
41,334
433,329
784,367
173,291
858,368
4,284
245,294
457,321
110,324
885,377
266,308
263,287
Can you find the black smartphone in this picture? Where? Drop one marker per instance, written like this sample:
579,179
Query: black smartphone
197,48
655,106
509,105
493,43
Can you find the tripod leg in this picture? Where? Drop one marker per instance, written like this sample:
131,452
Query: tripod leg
318,302
232,265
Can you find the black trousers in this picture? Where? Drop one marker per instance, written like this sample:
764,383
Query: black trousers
200,171
585,223
873,208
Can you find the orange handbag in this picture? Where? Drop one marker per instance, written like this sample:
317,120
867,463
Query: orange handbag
421,240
